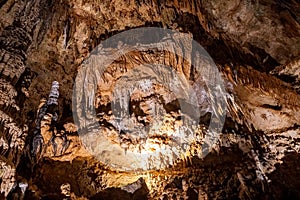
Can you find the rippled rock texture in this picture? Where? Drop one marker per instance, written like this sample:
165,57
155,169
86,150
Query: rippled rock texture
255,46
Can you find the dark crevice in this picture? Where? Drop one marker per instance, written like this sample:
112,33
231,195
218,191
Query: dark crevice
2,3
283,185
287,78
273,107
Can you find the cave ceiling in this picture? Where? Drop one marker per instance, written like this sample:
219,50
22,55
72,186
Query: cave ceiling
145,99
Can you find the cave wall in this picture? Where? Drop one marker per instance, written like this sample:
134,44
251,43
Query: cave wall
43,41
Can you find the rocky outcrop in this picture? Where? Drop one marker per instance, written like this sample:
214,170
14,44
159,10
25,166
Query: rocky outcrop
255,45
16,37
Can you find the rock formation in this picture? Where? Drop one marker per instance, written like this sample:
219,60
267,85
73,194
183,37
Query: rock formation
255,48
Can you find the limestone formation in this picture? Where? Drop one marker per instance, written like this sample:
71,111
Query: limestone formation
150,96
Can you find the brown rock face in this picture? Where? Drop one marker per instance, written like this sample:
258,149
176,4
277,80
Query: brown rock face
138,126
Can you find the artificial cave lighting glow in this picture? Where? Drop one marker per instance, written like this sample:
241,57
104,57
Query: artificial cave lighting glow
153,155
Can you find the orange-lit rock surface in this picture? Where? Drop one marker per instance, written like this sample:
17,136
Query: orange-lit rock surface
255,45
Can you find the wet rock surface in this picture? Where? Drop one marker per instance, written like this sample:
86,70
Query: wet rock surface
255,45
